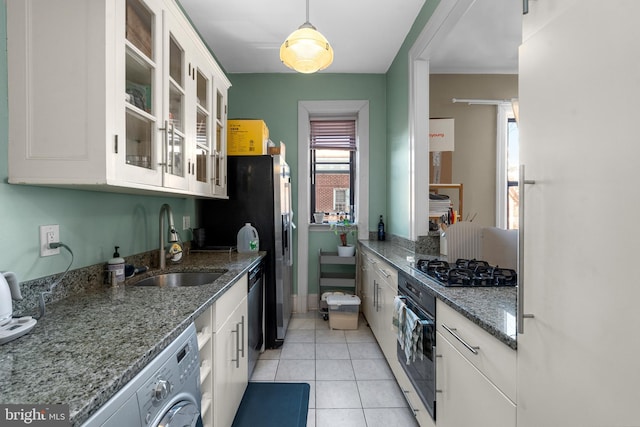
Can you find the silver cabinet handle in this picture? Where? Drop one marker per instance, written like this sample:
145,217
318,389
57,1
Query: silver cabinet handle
384,273
520,289
237,332
375,286
165,142
242,341
471,348
406,397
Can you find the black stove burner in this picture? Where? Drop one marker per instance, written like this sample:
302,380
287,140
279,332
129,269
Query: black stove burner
471,264
504,276
467,272
460,277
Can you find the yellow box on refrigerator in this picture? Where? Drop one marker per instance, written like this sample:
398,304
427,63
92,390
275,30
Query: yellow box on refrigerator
247,137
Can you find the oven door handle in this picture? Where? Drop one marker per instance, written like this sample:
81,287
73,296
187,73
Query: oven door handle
472,349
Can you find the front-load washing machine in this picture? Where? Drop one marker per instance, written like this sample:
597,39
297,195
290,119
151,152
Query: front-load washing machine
165,393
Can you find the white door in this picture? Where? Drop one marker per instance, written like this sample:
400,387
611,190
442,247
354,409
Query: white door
579,91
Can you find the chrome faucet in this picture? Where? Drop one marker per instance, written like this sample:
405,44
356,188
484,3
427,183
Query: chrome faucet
173,238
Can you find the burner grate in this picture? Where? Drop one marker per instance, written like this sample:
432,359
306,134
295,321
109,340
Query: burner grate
467,272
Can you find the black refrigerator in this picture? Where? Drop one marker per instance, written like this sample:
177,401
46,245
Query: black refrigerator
259,189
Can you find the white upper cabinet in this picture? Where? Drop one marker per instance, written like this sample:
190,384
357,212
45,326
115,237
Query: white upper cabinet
115,95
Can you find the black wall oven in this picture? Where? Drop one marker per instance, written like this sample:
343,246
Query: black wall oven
422,371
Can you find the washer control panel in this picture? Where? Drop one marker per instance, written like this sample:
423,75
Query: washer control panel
169,380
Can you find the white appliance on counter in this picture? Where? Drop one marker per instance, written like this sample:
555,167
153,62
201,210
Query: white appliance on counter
11,327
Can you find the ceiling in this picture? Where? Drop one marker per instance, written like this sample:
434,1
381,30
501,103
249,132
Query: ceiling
246,35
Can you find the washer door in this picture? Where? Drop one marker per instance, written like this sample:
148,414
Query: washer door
182,414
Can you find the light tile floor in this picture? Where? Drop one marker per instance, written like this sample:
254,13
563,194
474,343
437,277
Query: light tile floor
351,382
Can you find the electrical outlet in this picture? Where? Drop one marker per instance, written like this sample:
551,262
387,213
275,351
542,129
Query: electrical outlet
49,234
186,222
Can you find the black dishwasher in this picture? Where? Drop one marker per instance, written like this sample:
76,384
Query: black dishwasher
255,314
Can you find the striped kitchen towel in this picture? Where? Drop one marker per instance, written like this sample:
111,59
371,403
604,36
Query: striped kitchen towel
397,325
412,337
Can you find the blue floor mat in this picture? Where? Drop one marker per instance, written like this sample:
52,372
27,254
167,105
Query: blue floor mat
273,405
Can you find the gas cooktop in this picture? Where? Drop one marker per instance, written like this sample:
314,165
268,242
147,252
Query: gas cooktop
467,272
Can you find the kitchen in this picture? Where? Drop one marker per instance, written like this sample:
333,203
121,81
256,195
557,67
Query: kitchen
94,222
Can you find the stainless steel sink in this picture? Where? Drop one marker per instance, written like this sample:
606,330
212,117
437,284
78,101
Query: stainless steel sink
176,280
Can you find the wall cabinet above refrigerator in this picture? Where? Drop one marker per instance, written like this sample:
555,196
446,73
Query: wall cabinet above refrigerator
116,95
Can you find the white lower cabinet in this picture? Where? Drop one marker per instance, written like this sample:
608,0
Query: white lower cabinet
385,290
475,374
224,367
378,289
204,327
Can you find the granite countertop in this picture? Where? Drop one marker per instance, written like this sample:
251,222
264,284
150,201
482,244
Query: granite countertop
493,309
89,345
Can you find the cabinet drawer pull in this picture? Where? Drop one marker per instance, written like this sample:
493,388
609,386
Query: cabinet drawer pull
242,341
237,332
406,397
384,273
471,348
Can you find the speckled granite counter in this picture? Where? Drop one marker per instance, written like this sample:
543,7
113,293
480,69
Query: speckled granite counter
90,345
493,309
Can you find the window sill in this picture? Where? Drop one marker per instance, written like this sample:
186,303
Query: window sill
323,226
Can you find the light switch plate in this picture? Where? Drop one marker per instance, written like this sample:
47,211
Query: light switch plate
186,222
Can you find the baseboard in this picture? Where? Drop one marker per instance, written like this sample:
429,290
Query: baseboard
312,303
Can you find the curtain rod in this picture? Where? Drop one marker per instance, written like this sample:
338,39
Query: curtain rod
482,101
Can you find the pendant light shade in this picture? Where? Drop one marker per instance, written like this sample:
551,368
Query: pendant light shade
306,50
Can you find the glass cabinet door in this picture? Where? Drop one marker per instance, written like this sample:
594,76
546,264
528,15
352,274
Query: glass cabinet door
219,148
141,113
201,174
174,150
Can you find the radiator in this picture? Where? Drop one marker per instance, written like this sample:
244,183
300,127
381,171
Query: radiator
464,240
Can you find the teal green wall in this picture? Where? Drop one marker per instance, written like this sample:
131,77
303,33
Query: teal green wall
398,200
91,223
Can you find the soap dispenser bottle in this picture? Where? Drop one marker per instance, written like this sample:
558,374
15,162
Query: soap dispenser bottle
116,264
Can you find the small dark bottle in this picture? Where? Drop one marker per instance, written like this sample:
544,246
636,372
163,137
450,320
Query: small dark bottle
381,229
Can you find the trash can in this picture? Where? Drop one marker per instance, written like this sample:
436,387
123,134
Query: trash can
343,311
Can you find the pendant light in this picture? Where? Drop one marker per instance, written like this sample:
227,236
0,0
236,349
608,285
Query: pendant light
306,50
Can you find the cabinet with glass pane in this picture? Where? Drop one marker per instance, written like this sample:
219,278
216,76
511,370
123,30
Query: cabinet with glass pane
219,150
120,107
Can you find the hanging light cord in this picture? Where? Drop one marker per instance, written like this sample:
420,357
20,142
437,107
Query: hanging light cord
41,302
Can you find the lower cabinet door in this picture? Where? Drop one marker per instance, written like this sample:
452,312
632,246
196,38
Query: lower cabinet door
467,397
387,336
231,367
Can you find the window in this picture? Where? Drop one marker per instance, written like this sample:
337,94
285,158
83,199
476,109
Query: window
512,174
507,166
333,167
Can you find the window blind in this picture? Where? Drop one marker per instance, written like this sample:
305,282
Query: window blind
333,135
